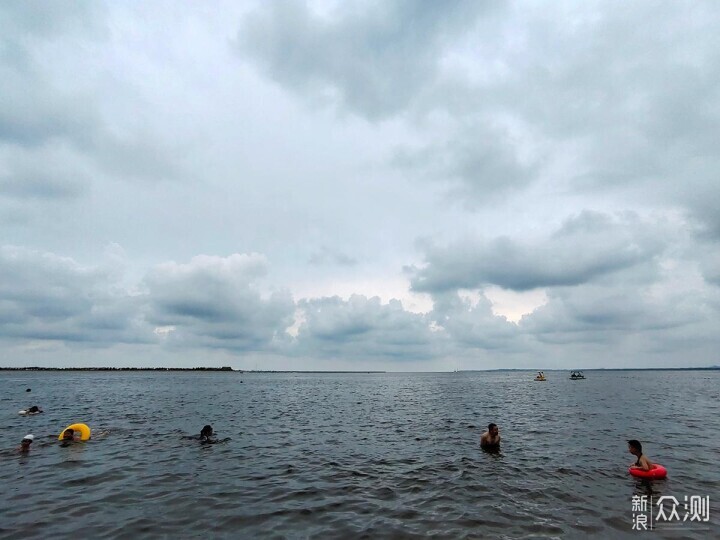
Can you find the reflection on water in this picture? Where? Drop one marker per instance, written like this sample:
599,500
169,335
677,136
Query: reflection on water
342,455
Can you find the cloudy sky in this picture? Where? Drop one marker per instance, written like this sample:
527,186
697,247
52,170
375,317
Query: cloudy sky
393,185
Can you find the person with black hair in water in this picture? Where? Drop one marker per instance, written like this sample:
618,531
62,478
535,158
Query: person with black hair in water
642,462
206,433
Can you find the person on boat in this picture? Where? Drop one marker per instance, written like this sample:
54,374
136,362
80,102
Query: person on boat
491,438
25,444
642,462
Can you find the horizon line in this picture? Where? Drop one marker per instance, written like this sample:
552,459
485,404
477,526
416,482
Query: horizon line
236,370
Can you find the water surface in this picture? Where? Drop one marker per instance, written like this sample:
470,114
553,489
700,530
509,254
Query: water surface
353,455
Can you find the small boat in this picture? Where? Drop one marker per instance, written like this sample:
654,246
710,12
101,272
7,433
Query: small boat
576,376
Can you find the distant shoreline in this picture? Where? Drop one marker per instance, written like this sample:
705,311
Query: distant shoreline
116,369
224,369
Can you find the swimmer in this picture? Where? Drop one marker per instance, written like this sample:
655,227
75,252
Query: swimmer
68,437
635,448
205,433
25,444
491,437
34,410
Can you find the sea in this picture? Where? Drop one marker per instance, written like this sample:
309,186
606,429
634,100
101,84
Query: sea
360,455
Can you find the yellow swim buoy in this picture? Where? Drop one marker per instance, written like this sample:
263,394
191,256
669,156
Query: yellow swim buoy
82,428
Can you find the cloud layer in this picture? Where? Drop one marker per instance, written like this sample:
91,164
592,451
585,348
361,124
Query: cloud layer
331,185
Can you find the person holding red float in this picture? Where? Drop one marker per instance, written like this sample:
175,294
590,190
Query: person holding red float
643,467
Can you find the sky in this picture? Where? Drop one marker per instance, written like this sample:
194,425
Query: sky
377,185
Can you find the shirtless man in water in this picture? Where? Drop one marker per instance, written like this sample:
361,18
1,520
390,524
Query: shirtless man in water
635,448
491,437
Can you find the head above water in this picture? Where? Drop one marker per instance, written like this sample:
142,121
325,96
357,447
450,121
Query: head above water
68,435
492,429
27,439
635,447
206,431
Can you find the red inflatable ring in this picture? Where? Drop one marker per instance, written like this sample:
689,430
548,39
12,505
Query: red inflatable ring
656,473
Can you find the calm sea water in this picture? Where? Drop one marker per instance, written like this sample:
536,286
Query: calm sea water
354,455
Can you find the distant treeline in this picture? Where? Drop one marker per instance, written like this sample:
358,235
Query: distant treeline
225,368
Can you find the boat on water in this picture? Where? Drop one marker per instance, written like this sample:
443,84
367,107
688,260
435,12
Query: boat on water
576,376
540,376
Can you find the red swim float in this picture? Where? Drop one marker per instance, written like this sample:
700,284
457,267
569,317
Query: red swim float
658,472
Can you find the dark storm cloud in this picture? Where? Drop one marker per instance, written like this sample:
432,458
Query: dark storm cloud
46,297
583,249
374,58
213,302
362,327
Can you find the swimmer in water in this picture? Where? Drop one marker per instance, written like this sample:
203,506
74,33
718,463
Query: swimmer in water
34,410
68,437
205,433
491,438
25,444
642,462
